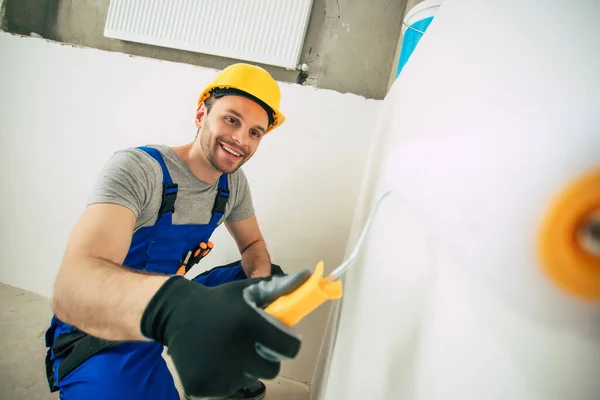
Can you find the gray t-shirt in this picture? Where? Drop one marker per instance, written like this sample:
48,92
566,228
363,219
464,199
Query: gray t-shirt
132,178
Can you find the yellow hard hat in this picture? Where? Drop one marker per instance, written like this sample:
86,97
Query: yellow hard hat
252,82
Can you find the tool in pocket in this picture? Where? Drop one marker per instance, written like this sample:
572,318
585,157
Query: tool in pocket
193,257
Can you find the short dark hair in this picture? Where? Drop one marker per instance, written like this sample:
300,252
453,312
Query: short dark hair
208,103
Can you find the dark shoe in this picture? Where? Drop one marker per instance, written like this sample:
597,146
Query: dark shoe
255,391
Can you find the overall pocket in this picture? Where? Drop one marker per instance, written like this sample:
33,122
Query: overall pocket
164,255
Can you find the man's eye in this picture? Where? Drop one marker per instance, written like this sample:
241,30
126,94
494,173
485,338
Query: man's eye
255,133
230,120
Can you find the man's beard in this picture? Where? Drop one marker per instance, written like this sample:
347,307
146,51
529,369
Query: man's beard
209,146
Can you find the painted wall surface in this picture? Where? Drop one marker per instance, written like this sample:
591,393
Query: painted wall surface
494,115
65,110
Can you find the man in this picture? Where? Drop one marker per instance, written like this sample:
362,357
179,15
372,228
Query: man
117,297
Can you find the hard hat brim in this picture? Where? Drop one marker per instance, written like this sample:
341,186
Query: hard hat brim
277,116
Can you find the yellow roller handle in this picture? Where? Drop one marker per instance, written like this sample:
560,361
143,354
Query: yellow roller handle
294,306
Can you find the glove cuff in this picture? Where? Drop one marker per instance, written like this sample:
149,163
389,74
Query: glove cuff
155,316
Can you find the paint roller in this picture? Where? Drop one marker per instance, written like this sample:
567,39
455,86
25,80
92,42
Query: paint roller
569,250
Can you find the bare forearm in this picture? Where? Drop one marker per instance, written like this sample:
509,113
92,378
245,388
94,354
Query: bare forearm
103,299
256,261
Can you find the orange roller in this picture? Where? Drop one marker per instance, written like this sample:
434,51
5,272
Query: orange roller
567,240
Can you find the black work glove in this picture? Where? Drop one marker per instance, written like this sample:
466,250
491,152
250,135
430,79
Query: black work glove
219,338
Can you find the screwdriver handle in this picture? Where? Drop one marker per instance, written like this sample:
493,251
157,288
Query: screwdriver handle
294,306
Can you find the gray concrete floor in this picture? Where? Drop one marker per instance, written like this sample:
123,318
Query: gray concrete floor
24,317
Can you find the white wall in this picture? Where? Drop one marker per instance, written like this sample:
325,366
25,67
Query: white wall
494,114
65,110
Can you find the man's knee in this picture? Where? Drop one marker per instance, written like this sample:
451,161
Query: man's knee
131,371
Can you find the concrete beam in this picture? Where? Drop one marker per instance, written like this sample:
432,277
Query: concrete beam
358,44
3,22
350,45
25,16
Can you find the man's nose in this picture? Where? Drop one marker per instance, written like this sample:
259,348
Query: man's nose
239,136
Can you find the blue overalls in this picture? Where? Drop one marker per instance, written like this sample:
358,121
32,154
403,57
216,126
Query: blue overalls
85,367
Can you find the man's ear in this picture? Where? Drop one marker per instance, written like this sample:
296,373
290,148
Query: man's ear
200,114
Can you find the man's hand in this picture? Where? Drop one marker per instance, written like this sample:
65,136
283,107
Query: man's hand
220,338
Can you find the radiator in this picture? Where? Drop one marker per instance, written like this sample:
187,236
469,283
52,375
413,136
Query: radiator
262,31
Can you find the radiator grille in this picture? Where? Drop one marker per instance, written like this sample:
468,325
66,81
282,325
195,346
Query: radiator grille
262,31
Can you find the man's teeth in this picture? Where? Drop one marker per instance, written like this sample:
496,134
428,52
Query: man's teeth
230,150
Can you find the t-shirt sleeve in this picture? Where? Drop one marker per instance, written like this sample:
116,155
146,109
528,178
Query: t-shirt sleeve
128,179
243,207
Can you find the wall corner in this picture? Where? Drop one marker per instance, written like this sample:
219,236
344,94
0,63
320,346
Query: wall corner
409,4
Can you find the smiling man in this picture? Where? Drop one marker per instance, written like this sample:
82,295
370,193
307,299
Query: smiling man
118,296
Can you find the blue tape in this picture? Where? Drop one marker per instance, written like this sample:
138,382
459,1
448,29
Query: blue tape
410,41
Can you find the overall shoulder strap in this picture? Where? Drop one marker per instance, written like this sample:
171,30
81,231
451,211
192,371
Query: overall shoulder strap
220,200
169,193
